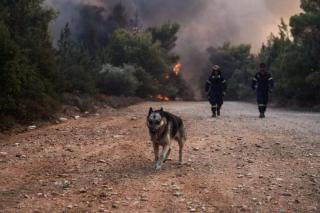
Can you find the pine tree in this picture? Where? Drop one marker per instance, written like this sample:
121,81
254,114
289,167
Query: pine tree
66,48
118,17
135,23
30,66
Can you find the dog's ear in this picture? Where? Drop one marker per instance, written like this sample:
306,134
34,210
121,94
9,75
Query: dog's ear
150,110
161,111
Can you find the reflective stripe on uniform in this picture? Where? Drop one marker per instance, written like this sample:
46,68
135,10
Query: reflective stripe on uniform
208,82
255,79
270,78
224,81
262,105
214,106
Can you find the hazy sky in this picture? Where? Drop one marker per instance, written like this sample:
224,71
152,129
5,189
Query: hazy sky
203,22
211,22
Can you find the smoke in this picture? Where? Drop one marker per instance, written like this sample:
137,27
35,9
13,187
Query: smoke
212,22
89,20
203,22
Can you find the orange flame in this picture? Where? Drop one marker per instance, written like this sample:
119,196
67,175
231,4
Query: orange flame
167,76
162,98
177,68
135,30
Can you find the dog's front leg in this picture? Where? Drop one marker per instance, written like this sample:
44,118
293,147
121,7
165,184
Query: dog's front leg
156,153
163,154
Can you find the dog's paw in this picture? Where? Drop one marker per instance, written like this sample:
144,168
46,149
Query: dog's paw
158,167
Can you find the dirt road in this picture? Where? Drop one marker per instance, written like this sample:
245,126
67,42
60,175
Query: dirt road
233,163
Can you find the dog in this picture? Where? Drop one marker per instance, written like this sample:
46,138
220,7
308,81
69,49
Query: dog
163,127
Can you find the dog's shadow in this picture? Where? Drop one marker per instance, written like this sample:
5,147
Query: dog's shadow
141,168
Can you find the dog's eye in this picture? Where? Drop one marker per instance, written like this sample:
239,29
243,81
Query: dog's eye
157,122
150,122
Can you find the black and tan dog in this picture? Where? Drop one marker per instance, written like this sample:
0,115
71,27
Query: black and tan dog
163,127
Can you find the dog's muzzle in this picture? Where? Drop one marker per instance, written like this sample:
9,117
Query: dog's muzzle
153,134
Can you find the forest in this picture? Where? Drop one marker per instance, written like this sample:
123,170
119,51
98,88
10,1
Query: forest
36,74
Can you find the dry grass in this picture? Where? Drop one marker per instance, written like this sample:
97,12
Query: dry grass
118,102
90,104
71,104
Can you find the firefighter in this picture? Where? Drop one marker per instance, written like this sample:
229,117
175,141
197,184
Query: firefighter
216,88
262,84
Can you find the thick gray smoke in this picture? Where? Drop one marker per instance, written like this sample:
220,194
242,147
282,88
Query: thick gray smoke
90,21
203,22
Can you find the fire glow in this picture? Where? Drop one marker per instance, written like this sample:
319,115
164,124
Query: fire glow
162,98
177,68
159,97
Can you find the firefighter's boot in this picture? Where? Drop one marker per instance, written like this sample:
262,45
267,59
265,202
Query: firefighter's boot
214,112
214,109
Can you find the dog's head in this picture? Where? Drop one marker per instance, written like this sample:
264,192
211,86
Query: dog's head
156,122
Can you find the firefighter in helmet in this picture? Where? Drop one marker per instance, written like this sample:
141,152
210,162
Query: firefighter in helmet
216,88
262,84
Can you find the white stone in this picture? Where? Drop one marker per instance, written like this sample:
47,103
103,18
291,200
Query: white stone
62,119
3,153
31,127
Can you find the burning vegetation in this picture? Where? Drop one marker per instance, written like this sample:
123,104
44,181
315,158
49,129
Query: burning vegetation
176,68
135,31
159,97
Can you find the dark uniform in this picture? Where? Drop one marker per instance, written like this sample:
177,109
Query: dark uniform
216,85
265,84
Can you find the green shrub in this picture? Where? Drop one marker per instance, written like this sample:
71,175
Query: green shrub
118,81
77,79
